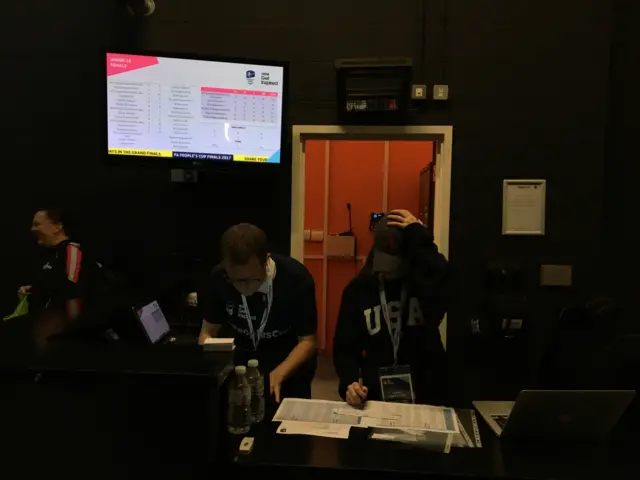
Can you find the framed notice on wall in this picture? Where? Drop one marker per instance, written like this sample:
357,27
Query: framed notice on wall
523,207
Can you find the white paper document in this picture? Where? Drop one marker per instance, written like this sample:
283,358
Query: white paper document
408,416
330,430
435,441
397,434
523,207
374,414
316,411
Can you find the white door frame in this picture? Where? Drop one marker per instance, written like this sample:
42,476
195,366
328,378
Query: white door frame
441,135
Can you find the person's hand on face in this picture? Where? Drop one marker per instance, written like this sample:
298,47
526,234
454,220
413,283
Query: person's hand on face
401,218
356,394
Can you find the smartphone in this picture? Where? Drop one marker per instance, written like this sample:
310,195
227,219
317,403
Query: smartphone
375,218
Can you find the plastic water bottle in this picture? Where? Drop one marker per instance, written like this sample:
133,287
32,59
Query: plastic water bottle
239,413
256,381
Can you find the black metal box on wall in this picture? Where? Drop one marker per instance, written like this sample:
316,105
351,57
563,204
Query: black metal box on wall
373,90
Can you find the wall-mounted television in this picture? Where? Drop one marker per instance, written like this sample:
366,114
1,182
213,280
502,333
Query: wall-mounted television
180,110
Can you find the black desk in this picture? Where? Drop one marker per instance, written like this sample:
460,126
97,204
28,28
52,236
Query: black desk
30,344
293,456
103,410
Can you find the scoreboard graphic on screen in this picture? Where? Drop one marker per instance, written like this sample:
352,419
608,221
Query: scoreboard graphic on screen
193,109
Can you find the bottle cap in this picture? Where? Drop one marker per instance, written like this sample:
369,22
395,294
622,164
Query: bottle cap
253,363
241,369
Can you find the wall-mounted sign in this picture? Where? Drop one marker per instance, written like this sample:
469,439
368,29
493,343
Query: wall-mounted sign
523,207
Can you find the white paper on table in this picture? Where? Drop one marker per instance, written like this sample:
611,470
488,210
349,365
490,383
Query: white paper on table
436,441
408,416
397,435
329,430
374,414
316,411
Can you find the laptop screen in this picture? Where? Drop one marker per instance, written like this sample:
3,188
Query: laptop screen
153,321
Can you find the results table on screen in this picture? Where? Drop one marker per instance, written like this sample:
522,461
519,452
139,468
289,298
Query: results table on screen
193,121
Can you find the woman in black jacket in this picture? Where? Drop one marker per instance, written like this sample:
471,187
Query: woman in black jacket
390,314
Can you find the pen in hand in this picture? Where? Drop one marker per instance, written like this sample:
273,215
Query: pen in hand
356,394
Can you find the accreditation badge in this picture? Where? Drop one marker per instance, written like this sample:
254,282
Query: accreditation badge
396,384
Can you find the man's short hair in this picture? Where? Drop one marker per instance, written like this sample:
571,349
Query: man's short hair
59,217
56,215
240,243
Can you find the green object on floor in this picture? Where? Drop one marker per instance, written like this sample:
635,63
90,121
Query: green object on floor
21,309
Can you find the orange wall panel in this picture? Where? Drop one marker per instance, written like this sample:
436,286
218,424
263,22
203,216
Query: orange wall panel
314,212
314,192
356,176
406,159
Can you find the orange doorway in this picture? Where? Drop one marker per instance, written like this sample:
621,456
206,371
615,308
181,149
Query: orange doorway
370,177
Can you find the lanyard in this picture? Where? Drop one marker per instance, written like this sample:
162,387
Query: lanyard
395,336
256,336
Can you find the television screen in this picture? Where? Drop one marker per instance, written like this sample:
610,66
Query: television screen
193,110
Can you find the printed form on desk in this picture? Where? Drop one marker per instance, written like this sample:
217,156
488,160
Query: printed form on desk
314,429
374,414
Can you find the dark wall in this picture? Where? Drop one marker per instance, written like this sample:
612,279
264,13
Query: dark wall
622,202
529,85
531,102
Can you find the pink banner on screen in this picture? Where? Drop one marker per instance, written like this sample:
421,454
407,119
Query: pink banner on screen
120,63
237,91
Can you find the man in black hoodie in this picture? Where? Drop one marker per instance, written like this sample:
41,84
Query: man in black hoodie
390,314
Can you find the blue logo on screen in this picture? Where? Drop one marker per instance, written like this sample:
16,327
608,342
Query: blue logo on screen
250,76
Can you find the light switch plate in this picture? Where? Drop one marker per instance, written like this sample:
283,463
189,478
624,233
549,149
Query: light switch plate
419,92
441,92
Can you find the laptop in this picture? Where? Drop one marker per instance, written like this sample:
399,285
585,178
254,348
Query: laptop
554,414
155,325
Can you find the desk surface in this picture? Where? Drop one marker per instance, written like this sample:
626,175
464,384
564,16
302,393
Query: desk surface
82,403
37,344
301,455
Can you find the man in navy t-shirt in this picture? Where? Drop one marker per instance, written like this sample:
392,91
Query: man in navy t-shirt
267,303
